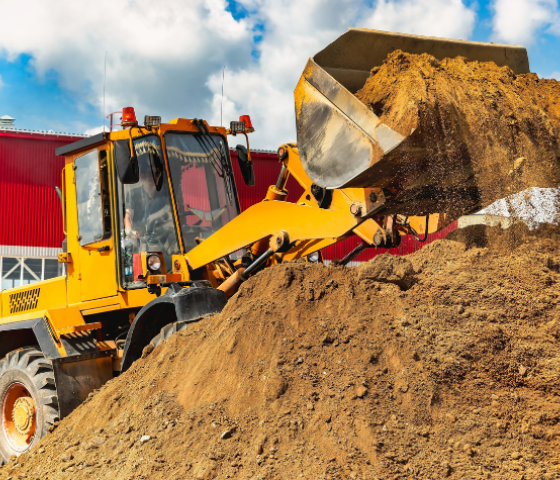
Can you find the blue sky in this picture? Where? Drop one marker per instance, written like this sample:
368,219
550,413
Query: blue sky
51,56
40,102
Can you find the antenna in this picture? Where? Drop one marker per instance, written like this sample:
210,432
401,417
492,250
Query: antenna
104,82
222,107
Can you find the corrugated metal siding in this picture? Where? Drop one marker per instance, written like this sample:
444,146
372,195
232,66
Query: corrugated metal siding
29,208
266,167
29,252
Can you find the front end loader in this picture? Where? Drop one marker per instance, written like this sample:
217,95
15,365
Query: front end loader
155,239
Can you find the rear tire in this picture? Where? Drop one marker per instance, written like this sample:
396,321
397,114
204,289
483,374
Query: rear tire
28,400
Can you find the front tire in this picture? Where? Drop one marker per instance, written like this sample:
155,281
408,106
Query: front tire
167,331
28,400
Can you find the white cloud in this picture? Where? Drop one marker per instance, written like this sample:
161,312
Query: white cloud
166,58
293,32
555,75
517,21
159,55
94,130
441,18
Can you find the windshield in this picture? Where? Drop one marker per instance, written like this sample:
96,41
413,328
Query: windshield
146,217
200,170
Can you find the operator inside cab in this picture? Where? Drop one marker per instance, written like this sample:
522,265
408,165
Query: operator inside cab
141,201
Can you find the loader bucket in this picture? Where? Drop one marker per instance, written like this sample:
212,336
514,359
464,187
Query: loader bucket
342,143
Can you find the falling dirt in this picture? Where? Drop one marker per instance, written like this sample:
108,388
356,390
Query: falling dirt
476,132
442,364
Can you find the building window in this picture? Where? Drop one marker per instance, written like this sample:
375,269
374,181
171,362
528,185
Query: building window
18,271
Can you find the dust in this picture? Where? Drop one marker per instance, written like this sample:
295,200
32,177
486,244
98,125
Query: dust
476,132
442,364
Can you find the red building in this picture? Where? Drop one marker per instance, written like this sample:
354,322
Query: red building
30,211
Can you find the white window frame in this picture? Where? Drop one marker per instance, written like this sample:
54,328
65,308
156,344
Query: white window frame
22,267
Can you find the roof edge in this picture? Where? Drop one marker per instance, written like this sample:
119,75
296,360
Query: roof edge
81,144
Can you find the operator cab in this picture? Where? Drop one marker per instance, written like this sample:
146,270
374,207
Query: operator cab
171,186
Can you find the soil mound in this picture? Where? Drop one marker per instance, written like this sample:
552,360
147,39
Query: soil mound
443,364
474,125
509,239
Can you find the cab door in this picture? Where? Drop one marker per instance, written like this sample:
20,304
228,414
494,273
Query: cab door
97,276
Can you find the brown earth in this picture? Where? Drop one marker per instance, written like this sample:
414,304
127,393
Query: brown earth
442,364
475,125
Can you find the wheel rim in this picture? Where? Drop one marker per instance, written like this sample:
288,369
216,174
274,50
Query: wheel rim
18,417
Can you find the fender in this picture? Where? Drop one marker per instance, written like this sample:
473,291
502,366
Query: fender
21,334
176,305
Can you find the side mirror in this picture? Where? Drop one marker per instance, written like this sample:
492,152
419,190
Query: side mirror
246,165
157,169
127,164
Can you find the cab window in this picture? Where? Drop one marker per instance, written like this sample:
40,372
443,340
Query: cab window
92,197
146,218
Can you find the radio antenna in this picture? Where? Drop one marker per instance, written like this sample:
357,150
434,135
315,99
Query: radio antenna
222,107
104,82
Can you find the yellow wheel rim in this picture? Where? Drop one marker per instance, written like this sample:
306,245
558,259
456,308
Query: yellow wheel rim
18,417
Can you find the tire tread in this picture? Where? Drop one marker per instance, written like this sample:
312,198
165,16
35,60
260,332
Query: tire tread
32,362
167,331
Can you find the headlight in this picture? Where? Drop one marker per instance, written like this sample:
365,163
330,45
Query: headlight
313,257
154,263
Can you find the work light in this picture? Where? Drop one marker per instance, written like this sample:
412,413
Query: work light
154,263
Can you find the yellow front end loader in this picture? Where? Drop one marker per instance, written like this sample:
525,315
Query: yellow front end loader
155,239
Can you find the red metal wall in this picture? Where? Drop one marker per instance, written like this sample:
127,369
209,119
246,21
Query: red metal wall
30,212
29,170
267,168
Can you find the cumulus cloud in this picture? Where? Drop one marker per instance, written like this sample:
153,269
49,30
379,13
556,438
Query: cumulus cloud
95,130
517,21
293,31
440,18
166,58
159,55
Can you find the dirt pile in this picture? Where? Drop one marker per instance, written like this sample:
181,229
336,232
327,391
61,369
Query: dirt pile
475,126
506,240
443,364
